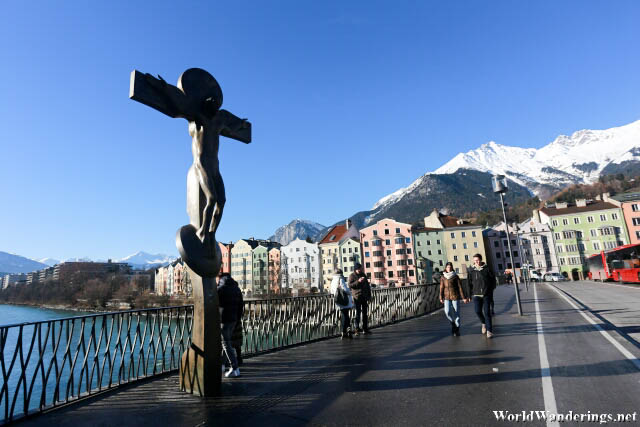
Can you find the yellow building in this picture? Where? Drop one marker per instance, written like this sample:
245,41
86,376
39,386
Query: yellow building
462,240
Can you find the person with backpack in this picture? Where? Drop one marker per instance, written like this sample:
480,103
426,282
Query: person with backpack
231,309
482,282
451,293
343,300
361,291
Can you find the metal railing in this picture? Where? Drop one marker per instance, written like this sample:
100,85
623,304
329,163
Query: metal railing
53,362
275,323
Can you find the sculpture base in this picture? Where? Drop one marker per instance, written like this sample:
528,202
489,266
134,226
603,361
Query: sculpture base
198,375
200,366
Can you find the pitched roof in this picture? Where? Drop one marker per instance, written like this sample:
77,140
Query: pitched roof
449,221
595,206
335,234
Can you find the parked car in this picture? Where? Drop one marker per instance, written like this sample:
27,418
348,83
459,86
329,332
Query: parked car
554,277
535,276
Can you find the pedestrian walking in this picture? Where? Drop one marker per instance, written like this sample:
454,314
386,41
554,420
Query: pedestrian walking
231,309
361,291
451,295
340,290
482,282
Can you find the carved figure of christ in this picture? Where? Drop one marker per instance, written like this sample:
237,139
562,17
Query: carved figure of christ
197,99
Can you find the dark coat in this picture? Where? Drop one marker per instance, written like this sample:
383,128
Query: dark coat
481,280
451,289
361,291
230,300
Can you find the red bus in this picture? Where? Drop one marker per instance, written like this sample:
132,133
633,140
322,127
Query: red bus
621,264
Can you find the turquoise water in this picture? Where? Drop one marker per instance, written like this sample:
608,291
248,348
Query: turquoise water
81,354
10,314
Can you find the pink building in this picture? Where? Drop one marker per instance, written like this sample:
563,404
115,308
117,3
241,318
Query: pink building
226,256
387,253
274,270
630,205
178,283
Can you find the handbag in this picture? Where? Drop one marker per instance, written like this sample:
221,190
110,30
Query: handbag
341,297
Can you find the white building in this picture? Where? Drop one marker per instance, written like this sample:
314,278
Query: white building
300,266
537,245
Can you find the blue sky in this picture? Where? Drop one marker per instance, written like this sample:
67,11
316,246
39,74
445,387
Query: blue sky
377,92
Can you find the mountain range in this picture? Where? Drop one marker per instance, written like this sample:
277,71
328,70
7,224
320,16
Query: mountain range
298,228
13,264
462,186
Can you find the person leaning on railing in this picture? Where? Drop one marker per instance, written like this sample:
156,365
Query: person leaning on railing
231,308
338,285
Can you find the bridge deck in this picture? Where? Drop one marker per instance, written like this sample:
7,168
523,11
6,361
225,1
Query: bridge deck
415,373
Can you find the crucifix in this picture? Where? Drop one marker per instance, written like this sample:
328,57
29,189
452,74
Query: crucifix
198,98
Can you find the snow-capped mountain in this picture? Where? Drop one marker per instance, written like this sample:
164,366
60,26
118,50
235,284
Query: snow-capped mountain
11,263
577,159
298,228
143,260
49,261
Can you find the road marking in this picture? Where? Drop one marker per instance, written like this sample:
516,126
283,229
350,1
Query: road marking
626,353
614,284
545,372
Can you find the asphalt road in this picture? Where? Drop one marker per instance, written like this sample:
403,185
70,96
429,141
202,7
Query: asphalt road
416,373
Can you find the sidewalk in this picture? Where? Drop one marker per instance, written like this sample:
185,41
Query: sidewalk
410,373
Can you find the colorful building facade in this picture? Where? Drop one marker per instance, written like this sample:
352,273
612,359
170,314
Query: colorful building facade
330,250
301,268
429,251
387,248
582,229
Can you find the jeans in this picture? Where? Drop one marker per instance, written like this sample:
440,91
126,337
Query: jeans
362,308
482,305
227,346
344,320
452,311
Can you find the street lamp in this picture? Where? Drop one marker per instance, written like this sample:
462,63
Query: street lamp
499,184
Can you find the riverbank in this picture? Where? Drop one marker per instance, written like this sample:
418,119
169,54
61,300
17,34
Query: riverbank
68,307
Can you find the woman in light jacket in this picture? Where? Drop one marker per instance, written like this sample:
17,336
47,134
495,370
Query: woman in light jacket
451,293
338,282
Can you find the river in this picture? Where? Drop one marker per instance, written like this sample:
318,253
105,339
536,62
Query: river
63,359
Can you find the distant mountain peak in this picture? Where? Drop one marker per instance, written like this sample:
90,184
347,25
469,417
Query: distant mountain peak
297,229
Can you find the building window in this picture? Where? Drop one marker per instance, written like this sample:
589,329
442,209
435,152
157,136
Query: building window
560,249
496,244
500,267
614,216
593,232
390,273
439,251
635,207
498,255
389,263
473,234
387,242
407,240
589,219
453,235
596,246
366,254
429,251
464,246
454,246
463,234
386,231
603,217
455,257
636,221
557,236
576,220
475,244
466,257
388,252
555,222
438,242
397,230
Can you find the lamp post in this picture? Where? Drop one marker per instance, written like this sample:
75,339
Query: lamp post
499,183
524,263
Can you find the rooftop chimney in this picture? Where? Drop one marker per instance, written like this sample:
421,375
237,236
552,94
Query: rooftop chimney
561,205
605,197
581,203
536,215
347,223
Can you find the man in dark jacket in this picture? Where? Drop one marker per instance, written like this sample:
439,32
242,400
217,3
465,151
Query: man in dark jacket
482,282
361,292
231,309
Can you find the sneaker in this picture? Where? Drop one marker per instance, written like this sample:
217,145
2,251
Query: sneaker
232,373
484,328
489,334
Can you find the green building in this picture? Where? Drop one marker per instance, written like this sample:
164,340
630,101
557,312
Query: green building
430,253
582,229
